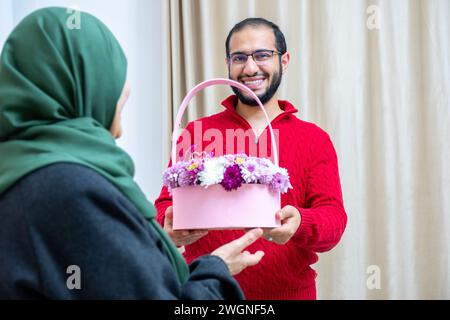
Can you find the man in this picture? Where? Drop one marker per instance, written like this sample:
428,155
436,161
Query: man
312,217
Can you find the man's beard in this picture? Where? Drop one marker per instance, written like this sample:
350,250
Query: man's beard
265,97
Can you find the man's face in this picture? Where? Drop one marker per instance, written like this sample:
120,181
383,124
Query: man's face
262,77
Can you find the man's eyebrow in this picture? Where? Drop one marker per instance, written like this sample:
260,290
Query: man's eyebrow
238,52
257,50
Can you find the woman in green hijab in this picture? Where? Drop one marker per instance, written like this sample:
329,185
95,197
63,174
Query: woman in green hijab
73,223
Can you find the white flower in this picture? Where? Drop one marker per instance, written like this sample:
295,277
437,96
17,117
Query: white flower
264,162
282,171
213,170
269,169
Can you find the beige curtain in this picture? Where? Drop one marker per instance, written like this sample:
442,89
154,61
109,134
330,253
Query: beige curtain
376,76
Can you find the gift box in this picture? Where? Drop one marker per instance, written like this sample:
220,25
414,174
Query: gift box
224,192
252,205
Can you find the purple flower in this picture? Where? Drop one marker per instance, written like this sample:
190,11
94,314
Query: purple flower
170,176
232,178
265,179
280,182
187,178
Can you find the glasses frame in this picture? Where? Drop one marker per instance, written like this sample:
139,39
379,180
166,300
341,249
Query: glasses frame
272,52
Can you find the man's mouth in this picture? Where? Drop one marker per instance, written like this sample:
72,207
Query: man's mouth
254,83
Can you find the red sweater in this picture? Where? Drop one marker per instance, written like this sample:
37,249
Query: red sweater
307,152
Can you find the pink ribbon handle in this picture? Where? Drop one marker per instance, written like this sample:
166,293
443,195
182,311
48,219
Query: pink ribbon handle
209,83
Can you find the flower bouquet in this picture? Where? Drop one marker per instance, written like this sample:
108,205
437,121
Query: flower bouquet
230,191
229,171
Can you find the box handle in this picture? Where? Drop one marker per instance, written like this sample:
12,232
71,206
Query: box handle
209,83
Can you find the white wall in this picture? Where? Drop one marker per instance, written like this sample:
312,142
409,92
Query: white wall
137,25
6,19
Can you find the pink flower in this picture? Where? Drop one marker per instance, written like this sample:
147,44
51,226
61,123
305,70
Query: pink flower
280,182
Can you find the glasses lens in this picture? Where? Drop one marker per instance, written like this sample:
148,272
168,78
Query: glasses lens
238,58
262,55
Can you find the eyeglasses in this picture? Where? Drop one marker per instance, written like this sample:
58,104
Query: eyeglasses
259,56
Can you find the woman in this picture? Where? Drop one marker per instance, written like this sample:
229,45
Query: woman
74,224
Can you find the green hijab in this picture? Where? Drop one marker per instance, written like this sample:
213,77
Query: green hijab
59,88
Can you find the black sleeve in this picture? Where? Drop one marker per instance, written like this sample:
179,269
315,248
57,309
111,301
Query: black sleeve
86,223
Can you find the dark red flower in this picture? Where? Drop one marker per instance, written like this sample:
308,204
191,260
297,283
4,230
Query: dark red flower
232,178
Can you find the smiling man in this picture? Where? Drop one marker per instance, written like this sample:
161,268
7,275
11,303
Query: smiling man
257,57
312,217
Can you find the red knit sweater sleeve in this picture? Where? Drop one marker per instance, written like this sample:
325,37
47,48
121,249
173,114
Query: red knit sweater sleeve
162,203
323,218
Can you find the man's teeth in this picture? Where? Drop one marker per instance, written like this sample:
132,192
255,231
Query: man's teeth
254,82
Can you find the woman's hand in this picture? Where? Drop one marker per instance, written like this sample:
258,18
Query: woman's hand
236,259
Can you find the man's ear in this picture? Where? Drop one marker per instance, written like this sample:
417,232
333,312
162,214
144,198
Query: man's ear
285,61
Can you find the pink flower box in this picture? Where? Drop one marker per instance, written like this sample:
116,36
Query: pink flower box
252,205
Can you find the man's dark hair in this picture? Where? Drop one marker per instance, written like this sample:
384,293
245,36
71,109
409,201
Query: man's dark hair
280,41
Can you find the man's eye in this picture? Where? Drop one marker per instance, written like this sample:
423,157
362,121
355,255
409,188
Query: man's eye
262,55
239,58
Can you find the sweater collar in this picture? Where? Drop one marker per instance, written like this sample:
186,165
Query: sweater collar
231,102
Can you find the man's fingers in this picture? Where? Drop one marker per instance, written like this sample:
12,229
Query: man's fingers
200,232
186,237
169,216
266,233
278,232
284,214
278,235
197,235
285,228
279,215
194,233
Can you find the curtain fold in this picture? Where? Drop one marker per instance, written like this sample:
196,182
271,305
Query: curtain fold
382,93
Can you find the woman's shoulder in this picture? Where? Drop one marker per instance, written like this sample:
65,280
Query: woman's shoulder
64,179
64,187
67,194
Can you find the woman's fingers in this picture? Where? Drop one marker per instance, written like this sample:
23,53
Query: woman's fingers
253,259
234,255
246,240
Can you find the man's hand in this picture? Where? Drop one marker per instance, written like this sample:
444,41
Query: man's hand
181,237
290,221
236,259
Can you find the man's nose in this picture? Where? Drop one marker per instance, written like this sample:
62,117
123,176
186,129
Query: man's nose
250,66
